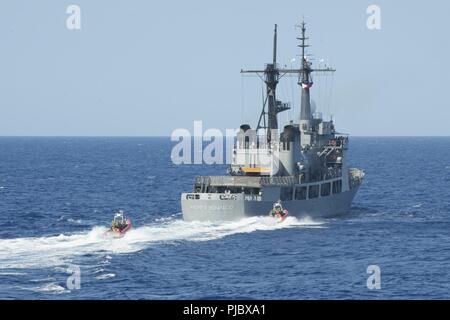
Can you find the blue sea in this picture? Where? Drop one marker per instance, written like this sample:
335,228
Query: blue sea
58,196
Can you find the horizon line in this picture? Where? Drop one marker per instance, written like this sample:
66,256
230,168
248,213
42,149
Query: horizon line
168,136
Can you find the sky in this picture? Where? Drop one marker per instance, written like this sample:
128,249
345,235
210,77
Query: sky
146,68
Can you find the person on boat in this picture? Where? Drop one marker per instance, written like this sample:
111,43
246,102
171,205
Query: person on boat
277,210
118,224
115,225
122,225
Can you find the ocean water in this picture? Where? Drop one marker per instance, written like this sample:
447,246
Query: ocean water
58,195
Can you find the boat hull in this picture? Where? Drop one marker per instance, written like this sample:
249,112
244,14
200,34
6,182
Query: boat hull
120,233
222,207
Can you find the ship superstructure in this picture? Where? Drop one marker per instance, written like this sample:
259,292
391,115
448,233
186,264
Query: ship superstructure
304,166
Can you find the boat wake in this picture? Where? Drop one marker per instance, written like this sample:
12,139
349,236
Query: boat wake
54,251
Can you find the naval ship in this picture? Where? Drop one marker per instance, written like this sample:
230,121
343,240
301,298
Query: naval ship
303,166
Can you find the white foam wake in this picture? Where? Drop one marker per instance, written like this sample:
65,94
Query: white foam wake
53,251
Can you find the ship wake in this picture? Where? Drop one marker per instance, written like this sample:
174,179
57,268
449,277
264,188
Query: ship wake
59,250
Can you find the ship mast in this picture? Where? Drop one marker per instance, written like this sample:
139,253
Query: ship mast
304,79
271,76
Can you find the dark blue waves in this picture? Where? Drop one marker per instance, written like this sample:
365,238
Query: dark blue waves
55,192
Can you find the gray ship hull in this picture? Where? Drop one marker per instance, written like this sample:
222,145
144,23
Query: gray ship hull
221,207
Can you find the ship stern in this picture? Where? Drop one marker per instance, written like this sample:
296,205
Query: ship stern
212,206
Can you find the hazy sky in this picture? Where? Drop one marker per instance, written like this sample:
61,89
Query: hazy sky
149,67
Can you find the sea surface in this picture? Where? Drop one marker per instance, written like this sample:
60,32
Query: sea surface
58,196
